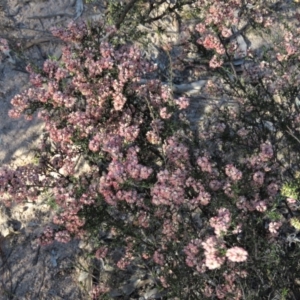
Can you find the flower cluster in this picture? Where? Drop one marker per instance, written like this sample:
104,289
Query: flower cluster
214,250
221,222
167,191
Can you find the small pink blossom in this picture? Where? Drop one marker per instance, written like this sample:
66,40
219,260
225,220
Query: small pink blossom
241,203
164,113
47,237
260,206
228,190
233,173
123,263
215,62
258,178
101,252
266,151
204,198
201,28
94,144
204,164
63,236
158,258
291,200
237,254
221,223
214,261
210,244
274,227
226,32
182,102
164,282
292,203
153,137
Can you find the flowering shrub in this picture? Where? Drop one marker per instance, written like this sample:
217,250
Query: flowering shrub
198,211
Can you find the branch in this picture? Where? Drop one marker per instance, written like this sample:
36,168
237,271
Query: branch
41,40
79,9
167,11
127,8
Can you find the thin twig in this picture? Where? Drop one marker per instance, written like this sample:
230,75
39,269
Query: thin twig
291,133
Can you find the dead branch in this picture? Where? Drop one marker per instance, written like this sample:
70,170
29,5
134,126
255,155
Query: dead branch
41,40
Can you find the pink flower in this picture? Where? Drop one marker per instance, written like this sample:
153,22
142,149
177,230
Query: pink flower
215,62
182,102
119,101
281,57
266,151
241,203
201,28
47,237
237,254
226,32
210,244
204,164
123,263
143,219
228,190
94,144
211,247
63,236
221,223
274,226
259,177
101,252
260,206
164,113
291,200
204,198
158,258
152,137
233,173
213,261
292,203
164,282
